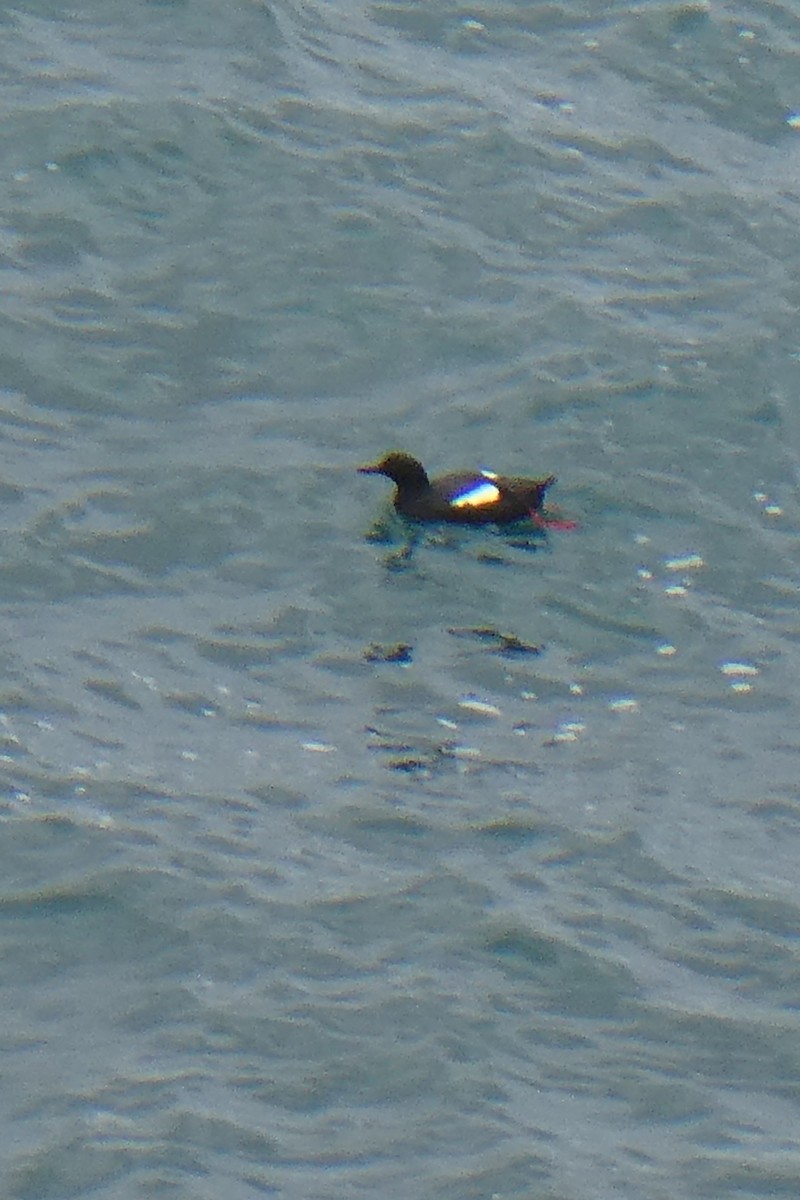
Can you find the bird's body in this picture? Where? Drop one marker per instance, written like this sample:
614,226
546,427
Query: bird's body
465,497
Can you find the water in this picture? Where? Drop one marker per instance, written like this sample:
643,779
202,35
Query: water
328,874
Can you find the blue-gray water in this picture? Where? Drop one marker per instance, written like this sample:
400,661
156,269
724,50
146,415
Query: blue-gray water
282,916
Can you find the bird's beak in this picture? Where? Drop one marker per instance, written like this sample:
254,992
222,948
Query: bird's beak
370,469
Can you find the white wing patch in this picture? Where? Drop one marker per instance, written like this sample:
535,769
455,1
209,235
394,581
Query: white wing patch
478,494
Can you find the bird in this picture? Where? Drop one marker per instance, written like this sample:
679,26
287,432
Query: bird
463,497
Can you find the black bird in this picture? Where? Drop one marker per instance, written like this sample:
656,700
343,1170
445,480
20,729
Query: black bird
466,497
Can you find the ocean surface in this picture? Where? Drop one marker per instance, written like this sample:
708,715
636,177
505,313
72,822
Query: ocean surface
329,872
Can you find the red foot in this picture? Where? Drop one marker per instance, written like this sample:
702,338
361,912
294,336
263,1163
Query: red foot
560,524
